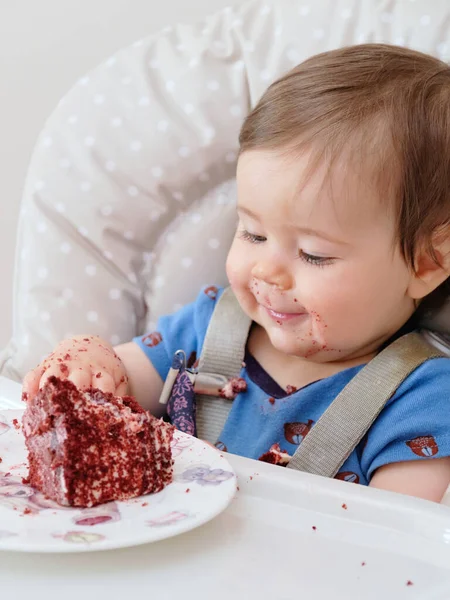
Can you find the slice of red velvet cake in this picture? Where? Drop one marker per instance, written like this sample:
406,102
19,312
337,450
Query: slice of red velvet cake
87,448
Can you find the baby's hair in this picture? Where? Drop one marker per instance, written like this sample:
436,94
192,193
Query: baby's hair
384,105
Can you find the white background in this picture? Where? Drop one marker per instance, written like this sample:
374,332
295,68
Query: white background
45,46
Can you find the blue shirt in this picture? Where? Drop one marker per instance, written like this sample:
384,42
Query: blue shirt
414,424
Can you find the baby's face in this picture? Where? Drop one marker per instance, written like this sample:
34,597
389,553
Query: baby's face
314,260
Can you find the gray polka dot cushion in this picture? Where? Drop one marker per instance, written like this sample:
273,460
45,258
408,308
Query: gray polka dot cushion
129,200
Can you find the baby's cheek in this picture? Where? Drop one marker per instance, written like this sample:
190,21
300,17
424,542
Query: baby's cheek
232,273
237,282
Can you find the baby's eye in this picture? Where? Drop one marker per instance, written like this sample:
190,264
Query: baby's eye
319,261
251,237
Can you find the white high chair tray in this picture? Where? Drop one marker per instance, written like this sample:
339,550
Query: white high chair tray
285,535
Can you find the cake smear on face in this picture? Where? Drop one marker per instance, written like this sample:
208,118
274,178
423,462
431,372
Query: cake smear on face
87,448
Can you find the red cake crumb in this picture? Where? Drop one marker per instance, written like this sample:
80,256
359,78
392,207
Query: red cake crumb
87,448
363,564
408,583
272,400
1,459
276,456
187,490
290,389
344,506
232,388
16,423
314,528
64,369
27,511
144,504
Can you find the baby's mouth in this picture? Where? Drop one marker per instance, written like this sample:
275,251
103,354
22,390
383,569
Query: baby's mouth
281,316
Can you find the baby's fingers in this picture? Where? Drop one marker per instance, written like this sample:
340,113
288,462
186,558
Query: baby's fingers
81,378
30,385
104,382
122,388
51,369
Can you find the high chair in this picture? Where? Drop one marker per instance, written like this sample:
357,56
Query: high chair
129,202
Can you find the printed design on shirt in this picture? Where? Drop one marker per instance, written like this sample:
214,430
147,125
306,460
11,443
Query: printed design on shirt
296,432
347,476
424,446
221,446
152,339
211,292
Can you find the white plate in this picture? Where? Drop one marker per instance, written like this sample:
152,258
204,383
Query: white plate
204,484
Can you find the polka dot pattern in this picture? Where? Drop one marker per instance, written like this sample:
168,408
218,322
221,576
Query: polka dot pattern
91,270
64,163
92,316
130,205
186,262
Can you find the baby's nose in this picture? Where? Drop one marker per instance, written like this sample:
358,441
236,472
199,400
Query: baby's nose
273,274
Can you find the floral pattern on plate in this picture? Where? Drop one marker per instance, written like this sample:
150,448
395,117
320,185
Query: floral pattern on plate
29,522
205,475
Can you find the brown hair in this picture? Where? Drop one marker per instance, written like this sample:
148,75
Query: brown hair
386,97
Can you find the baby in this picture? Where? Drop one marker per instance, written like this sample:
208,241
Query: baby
343,238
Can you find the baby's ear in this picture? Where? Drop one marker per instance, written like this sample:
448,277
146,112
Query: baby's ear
429,272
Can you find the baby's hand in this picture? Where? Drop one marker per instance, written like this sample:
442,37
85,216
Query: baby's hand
87,361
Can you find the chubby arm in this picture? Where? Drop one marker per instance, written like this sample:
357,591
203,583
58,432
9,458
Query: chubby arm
144,382
426,479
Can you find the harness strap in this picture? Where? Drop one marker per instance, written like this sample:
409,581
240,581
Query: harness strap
348,418
221,359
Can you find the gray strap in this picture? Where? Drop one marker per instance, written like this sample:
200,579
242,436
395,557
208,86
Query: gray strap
222,354
345,422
